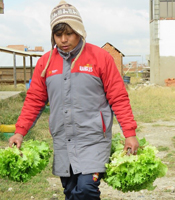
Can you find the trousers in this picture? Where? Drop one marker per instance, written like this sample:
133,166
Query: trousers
82,186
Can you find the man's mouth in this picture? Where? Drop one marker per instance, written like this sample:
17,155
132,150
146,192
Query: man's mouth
65,47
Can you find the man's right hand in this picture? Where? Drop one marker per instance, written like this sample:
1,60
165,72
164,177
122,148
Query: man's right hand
16,139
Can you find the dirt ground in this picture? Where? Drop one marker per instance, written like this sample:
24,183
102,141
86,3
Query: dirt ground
158,134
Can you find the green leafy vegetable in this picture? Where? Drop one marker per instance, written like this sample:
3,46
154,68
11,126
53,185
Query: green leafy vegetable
21,165
134,172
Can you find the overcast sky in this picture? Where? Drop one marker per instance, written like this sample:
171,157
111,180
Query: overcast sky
123,23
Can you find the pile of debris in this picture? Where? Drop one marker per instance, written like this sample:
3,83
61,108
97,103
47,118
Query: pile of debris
170,82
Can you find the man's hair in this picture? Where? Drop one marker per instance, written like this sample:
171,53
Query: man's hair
62,28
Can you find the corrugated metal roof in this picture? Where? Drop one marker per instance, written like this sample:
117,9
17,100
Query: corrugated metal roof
6,57
7,60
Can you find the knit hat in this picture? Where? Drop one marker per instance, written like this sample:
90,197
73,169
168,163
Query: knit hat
66,13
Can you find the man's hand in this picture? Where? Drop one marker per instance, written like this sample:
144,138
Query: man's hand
16,139
131,143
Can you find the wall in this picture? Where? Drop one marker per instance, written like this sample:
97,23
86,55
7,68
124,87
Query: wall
162,54
154,55
167,37
6,75
162,44
116,55
17,47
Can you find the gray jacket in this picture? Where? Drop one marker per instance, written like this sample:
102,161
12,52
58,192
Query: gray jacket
82,101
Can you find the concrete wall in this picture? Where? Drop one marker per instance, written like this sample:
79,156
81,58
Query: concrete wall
167,37
162,53
154,55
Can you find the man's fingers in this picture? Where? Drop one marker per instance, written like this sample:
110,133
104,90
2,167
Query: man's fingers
10,144
16,140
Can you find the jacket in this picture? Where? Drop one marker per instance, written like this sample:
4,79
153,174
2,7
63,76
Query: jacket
82,102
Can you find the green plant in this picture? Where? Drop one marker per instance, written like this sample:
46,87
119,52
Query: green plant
133,172
21,164
161,148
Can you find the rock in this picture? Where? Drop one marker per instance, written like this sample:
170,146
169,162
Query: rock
170,188
10,189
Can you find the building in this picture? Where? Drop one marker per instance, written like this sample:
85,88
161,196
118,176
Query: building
162,43
116,54
1,7
17,47
25,48
17,66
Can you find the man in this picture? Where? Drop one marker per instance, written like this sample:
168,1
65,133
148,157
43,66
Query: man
84,89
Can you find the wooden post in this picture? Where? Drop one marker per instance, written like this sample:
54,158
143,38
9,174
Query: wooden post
24,67
14,68
31,67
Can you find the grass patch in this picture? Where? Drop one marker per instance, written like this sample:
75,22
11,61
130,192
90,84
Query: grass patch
162,148
162,125
169,160
151,104
7,87
173,140
10,109
139,128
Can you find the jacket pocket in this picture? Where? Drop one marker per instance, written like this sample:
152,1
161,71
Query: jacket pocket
103,124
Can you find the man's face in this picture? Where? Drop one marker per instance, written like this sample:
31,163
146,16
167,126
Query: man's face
66,40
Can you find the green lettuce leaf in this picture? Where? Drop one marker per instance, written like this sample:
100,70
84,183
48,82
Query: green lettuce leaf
21,165
134,172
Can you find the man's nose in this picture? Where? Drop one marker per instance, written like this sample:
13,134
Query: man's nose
64,38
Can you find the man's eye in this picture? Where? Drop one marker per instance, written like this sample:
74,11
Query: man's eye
69,33
58,34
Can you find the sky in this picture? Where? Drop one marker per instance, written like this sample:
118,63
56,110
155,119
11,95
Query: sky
122,23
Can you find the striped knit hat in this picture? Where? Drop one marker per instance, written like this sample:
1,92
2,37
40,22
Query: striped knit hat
66,13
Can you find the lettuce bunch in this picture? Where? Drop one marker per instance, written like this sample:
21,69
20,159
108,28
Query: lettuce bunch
133,172
21,165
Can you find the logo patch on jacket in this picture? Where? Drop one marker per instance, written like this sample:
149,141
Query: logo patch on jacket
53,71
95,176
86,68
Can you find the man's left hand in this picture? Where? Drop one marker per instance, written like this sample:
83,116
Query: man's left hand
132,144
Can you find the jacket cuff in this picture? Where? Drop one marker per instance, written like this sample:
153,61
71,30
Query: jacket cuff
21,130
129,133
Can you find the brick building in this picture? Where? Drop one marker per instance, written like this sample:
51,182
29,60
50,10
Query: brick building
116,54
1,7
17,47
25,48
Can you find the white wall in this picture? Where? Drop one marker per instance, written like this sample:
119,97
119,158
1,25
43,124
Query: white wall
167,37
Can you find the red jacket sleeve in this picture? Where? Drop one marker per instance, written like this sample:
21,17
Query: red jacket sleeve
117,97
34,102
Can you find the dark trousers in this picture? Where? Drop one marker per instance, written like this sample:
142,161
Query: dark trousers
82,186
